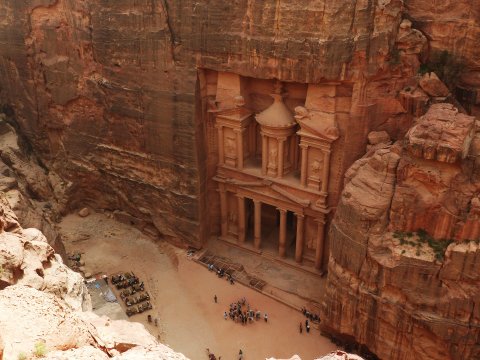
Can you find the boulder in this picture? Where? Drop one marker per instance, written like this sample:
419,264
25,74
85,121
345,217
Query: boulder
84,212
82,353
442,134
433,86
154,352
378,137
29,315
119,335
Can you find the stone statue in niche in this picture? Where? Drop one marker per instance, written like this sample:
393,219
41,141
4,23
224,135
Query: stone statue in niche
316,167
230,146
311,243
272,158
232,217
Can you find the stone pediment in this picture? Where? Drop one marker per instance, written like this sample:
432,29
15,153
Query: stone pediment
270,189
317,124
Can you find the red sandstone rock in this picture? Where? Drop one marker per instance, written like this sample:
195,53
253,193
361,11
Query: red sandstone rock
84,212
410,41
442,134
405,301
378,137
433,86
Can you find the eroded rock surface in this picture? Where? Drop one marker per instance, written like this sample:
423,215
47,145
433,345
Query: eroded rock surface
393,285
42,301
107,92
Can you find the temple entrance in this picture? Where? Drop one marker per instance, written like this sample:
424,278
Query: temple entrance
249,221
270,231
270,228
291,234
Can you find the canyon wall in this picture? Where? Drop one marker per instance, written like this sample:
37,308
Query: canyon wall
403,275
109,96
106,92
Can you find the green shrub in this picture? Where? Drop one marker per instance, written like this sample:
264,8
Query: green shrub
40,349
438,246
22,356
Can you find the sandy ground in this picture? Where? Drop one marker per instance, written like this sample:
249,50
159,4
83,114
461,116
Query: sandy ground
182,294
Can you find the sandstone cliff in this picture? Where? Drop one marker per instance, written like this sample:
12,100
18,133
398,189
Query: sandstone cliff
107,92
404,277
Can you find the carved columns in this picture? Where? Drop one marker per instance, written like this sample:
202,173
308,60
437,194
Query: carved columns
326,171
258,224
241,219
320,244
221,150
303,170
264,154
299,242
281,156
240,154
282,239
223,210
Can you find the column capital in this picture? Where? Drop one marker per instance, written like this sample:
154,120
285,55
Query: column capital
238,131
282,210
300,215
240,196
256,201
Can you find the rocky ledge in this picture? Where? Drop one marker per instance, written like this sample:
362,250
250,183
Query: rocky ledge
403,277
46,306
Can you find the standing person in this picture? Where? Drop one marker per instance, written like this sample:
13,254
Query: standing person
225,315
240,355
307,327
301,327
215,298
266,317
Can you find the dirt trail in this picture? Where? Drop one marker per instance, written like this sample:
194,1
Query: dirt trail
182,294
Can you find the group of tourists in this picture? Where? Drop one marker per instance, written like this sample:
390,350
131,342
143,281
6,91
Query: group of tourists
221,273
310,316
242,313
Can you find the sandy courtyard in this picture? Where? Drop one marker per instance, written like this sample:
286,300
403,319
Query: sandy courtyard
182,294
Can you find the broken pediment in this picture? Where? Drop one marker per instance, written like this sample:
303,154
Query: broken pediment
317,124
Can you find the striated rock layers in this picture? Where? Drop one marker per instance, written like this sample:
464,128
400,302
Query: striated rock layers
404,276
108,92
